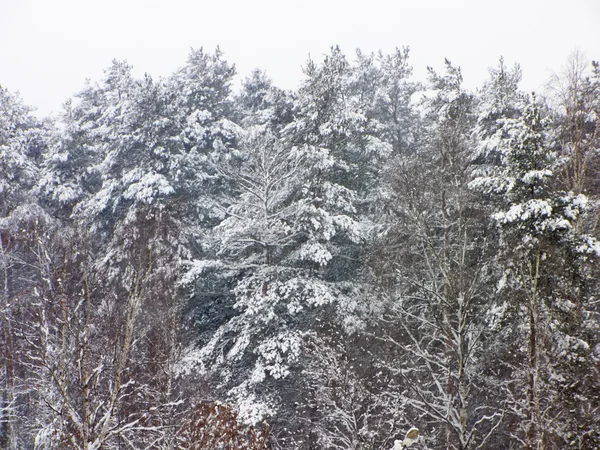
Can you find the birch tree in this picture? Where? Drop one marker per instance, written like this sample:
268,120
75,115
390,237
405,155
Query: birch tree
22,140
435,308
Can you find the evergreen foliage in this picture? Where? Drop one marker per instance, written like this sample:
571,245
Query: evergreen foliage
187,265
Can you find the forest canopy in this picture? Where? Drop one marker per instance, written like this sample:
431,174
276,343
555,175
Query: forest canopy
185,265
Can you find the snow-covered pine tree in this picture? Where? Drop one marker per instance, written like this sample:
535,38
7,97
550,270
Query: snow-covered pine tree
262,103
548,308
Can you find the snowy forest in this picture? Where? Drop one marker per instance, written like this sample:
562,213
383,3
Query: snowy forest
186,263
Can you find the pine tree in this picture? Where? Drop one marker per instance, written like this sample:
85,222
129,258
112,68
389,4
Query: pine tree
545,260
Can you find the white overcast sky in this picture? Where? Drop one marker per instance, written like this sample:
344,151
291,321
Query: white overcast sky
49,47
